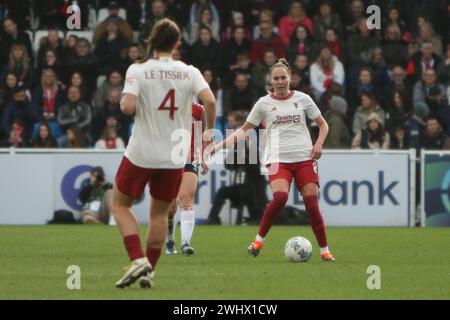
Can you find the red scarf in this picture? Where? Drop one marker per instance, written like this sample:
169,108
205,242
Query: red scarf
110,143
49,100
335,47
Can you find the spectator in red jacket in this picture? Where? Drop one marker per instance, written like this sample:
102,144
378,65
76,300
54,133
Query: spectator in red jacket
267,40
296,16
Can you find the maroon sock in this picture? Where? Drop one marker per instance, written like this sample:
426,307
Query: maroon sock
272,212
316,219
153,254
133,246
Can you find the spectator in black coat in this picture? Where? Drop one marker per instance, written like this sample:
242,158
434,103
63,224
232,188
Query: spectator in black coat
83,61
207,52
240,97
111,47
12,34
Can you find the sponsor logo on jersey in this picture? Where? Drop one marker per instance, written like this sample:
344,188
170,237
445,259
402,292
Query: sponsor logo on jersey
291,119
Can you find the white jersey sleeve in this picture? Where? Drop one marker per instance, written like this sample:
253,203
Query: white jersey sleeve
256,114
199,82
131,81
312,111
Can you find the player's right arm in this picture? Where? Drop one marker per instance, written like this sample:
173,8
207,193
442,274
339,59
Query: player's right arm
238,135
130,92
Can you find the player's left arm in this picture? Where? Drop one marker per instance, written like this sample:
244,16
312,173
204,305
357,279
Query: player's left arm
128,104
316,152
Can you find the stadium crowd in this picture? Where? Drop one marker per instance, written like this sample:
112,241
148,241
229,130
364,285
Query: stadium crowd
386,88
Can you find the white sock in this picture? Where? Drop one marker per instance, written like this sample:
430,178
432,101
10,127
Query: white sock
259,238
171,233
324,250
187,223
140,260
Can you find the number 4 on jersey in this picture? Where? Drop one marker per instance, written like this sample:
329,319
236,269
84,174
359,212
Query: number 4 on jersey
169,98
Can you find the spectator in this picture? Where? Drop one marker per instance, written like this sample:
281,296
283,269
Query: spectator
78,80
45,138
122,24
113,81
111,47
48,95
19,64
394,48
213,83
20,108
338,135
333,42
19,11
96,198
393,18
83,61
429,93
139,12
17,137
296,83
240,97
361,42
207,52
399,110
242,65
399,82
51,42
297,16
325,70
110,140
69,46
75,112
51,13
357,11
434,137
267,40
368,106
364,85
50,61
422,61
442,25
301,64
75,139
300,43
12,35
264,16
373,136
261,72
325,20
179,11
427,34
158,12
399,139
111,107
206,20
198,6
237,22
132,55
7,91
444,70
236,45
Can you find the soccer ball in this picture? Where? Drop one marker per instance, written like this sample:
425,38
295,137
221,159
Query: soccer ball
298,249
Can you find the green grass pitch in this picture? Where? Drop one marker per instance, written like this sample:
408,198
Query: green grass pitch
415,264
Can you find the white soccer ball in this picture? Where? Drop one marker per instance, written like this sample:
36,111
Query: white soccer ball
298,249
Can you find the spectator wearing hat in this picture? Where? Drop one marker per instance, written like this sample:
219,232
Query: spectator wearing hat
338,134
369,105
96,198
122,24
430,93
373,136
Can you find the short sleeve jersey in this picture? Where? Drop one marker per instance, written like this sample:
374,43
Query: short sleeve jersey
288,138
165,89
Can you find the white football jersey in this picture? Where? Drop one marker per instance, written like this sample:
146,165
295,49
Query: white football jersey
164,88
288,138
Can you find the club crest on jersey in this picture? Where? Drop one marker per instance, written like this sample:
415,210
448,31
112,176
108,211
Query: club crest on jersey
273,109
295,105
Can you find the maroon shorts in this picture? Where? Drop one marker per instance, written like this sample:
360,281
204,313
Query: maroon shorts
164,183
303,172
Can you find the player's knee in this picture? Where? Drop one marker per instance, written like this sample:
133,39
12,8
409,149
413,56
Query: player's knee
185,200
280,198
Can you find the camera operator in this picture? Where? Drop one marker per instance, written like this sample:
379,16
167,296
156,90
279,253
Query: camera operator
248,186
96,198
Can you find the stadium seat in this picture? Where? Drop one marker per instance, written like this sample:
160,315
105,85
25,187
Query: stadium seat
39,34
81,34
103,14
92,19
